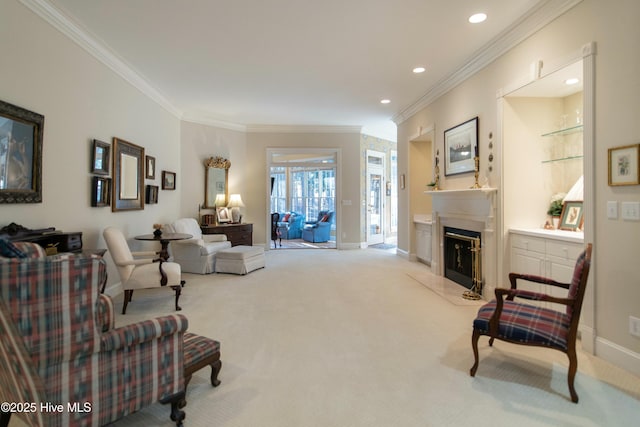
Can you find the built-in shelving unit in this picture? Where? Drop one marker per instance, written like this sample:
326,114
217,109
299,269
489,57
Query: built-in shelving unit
565,131
558,138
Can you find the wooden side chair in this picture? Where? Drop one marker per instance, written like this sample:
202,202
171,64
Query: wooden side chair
517,322
137,272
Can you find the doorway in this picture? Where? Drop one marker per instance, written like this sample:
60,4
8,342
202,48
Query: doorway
303,191
375,197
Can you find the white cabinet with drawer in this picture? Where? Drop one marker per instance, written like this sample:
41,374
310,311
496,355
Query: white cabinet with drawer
546,256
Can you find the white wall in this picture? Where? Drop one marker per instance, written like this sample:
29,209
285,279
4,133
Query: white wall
612,26
81,99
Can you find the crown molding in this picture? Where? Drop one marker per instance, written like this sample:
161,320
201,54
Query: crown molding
537,18
208,121
302,129
62,23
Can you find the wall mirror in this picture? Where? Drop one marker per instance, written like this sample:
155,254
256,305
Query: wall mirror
128,169
216,181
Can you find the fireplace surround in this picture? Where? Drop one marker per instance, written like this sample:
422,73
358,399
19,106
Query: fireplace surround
473,210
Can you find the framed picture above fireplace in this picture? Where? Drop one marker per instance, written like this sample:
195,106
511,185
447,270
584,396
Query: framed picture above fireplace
460,148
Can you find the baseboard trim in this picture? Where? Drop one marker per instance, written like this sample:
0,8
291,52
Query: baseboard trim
618,355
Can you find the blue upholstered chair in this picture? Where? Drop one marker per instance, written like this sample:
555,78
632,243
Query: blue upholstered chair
290,225
319,231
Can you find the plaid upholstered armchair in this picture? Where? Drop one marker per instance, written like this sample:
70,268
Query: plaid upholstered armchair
62,355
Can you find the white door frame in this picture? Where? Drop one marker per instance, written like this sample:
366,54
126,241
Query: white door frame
375,169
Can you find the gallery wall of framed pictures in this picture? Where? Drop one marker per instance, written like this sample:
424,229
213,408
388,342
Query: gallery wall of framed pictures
126,189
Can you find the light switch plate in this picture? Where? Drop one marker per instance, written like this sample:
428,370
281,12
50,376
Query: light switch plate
631,211
612,210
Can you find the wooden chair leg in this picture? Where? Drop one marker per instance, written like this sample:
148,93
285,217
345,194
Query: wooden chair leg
573,368
215,370
127,297
474,345
176,414
5,417
178,290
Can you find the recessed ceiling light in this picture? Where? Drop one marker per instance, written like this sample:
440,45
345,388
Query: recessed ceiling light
385,101
419,70
477,18
572,81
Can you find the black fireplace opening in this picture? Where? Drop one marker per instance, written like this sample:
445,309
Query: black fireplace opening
462,255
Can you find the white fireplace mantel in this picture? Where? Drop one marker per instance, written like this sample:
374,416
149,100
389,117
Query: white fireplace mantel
469,209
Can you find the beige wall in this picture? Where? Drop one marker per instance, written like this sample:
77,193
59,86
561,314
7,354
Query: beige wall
81,99
612,26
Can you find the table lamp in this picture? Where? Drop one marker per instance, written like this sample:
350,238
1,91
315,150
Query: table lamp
235,203
220,199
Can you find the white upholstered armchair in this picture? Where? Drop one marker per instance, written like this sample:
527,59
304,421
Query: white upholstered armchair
146,271
196,255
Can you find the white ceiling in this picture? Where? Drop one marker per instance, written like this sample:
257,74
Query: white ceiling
293,62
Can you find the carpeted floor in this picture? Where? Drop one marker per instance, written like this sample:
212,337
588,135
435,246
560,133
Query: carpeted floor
353,338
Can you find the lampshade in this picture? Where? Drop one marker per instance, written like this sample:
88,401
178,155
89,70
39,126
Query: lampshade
220,199
235,201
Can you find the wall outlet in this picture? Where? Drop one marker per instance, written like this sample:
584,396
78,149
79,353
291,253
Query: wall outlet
634,326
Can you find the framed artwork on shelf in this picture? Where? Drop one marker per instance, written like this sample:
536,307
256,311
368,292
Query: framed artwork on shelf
151,194
21,135
623,165
168,180
223,215
571,218
100,157
100,191
150,167
460,148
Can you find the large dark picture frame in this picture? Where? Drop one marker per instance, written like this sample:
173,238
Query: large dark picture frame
460,148
21,135
128,176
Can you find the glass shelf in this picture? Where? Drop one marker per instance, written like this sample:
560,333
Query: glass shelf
562,159
565,131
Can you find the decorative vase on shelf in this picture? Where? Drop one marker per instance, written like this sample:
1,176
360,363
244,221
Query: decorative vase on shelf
157,230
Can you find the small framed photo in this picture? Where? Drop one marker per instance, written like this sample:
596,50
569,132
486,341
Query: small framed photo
168,180
571,218
461,148
100,157
623,165
223,215
100,192
151,194
150,167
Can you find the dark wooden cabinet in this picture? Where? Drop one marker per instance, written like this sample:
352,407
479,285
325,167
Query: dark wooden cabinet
56,241
237,234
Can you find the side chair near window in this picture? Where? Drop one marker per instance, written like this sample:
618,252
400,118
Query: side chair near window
517,322
59,345
141,273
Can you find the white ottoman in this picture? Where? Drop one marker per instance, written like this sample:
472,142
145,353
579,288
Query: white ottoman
240,259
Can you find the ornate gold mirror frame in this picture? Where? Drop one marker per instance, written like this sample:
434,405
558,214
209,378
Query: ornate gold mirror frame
216,180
